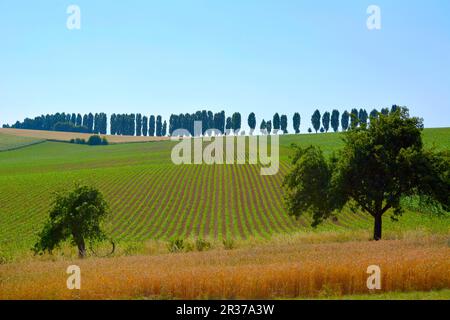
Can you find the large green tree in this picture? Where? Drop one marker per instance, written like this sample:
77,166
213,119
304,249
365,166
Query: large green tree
376,168
76,216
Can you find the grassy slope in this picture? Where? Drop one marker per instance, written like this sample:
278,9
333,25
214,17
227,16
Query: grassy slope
152,198
10,142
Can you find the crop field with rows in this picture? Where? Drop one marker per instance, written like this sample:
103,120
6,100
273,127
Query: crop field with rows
151,198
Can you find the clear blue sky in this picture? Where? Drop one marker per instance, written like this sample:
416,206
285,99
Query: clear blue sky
165,56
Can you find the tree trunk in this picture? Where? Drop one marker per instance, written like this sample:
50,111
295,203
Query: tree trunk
81,248
377,228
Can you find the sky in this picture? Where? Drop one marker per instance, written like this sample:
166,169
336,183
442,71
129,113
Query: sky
262,56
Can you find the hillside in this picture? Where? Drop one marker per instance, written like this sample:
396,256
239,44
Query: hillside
12,142
151,198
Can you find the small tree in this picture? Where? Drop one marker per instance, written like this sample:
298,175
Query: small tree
335,120
151,126
375,169
228,126
269,126
164,129
354,118
362,117
315,120
252,122
276,123
385,111
236,122
263,126
374,113
75,216
94,140
144,126
326,121
296,122
158,130
138,124
283,123
344,120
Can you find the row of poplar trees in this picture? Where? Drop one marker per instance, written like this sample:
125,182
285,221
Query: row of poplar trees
136,124
348,120
88,123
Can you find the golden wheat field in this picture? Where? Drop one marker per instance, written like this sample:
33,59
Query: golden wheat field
283,270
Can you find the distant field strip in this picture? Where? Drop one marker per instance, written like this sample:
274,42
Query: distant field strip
9,142
67,136
151,198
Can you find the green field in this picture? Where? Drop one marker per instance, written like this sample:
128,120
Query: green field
151,198
9,142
